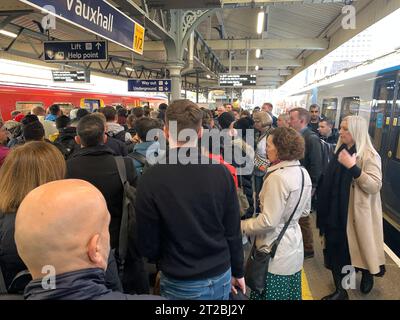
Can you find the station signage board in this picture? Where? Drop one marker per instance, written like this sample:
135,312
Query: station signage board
98,17
71,76
237,80
154,85
67,51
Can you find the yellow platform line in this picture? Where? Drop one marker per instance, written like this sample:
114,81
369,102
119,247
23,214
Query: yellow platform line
305,288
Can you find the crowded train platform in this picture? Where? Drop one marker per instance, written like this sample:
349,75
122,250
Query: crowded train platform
145,154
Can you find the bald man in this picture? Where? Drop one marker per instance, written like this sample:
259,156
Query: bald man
59,236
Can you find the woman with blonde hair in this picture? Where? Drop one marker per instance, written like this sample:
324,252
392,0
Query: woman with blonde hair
25,168
349,213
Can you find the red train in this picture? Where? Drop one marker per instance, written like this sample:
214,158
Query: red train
24,98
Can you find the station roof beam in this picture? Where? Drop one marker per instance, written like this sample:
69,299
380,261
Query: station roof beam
263,44
152,26
270,63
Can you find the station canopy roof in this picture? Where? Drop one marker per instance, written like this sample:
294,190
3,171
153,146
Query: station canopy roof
295,35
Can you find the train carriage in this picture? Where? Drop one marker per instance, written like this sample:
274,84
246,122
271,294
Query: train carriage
371,90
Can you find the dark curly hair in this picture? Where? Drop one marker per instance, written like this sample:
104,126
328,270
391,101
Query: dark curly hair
288,143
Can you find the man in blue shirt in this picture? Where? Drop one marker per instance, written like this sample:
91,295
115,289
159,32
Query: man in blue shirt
146,145
55,112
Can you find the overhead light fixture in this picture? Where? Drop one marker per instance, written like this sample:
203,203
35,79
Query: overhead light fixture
260,22
8,33
208,76
129,69
258,53
257,67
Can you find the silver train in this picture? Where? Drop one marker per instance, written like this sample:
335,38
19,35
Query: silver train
371,90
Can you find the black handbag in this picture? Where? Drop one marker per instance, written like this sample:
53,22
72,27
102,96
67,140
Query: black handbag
258,261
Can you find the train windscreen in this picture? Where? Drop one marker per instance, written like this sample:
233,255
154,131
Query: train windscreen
329,108
350,107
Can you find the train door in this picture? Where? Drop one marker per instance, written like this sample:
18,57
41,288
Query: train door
384,130
391,186
91,104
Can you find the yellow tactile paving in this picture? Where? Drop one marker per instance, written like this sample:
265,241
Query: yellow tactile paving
306,292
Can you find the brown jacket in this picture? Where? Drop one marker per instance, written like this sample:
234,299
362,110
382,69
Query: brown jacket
364,224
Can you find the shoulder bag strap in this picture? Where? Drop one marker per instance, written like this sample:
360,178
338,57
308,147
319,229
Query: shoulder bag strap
138,157
121,169
278,240
123,231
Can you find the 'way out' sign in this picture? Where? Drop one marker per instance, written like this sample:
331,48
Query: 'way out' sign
99,17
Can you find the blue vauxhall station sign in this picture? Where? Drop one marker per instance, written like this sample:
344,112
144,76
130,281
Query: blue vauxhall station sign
156,85
65,51
96,16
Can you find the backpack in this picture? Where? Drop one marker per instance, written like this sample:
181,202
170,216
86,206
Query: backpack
145,165
328,150
66,145
128,220
119,136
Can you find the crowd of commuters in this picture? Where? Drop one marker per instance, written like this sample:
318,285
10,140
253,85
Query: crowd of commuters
191,219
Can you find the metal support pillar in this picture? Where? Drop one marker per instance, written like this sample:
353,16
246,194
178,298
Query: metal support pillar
247,61
175,74
183,24
197,87
185,87
230,61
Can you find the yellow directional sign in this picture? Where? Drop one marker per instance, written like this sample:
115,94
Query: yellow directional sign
138,39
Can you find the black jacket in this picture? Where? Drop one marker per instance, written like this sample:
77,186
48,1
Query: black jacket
87,284
97,166
65,142
10,262
188,218
117,146
314,126
333,138
313,155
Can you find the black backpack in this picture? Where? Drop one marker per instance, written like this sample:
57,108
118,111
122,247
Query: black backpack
67,145
128,220
120,135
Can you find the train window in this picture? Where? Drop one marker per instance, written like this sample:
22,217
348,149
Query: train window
92,104
26,106
350,107
381,111
66,107
329,108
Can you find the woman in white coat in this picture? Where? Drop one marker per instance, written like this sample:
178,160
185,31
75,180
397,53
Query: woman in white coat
278,198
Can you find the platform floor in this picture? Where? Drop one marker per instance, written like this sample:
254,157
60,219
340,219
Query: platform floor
320,283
